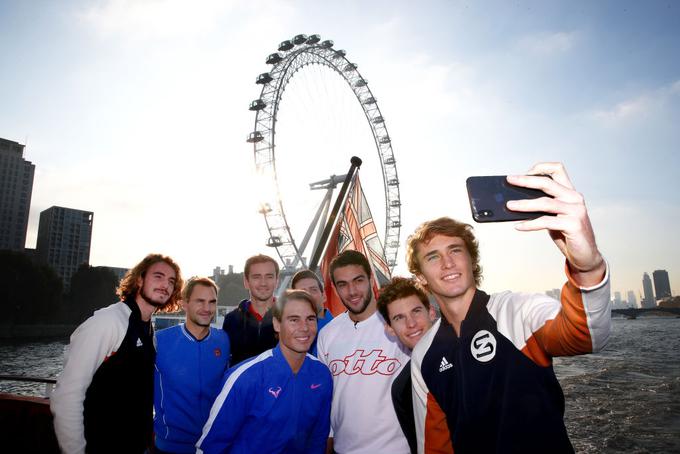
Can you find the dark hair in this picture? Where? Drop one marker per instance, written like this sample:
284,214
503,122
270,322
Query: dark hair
128,288
398,288
289,295
259,258
193,282
447,227
347,258
306,274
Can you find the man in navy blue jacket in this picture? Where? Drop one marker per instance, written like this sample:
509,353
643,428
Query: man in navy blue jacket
280,400
249,326
190,363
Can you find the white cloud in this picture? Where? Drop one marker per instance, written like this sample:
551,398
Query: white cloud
547,44
154,18
640,106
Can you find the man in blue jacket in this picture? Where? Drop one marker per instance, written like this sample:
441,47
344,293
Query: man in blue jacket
308,281
279,401
190,363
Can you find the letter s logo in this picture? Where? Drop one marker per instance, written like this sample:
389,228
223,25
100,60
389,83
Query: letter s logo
483,346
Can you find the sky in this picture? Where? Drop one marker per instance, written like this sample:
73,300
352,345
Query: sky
138,111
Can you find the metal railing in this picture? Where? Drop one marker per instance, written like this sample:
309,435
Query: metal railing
49,382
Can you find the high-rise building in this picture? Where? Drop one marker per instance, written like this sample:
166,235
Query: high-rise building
16,187
617,299
649,300
632,302
64,237
662,285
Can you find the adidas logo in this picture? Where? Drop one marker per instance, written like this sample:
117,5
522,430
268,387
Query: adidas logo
444,365
139,343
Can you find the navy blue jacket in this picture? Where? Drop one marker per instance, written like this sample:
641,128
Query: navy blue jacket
248,336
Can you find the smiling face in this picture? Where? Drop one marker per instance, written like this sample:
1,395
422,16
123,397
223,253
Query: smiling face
157,285
200,307
261,281
311,286
409,319
446,269
354,289
297,327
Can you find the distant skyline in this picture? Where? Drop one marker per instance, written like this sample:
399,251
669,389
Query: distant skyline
138,111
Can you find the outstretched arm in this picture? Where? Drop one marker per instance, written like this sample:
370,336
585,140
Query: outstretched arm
570,228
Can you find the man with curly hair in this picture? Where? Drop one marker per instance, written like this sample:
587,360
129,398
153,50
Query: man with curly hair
487,363
103,401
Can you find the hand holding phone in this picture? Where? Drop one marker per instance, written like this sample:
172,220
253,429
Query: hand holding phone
488,196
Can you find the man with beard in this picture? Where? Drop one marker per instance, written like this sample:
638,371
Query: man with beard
191,361
249,326
364,360
103,401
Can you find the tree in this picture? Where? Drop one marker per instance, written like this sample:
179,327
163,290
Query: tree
231,289
30,293
91,288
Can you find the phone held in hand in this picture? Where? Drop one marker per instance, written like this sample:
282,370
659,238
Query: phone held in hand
488,195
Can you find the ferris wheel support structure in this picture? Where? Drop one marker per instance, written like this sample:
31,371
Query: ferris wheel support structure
292,56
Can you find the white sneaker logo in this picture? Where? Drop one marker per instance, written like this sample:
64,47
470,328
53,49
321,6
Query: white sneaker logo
444,365
483,346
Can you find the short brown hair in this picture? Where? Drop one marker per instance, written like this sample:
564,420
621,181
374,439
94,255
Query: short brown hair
447,227
193,282
259,258
306,274
347,258
288,295
398,288
128,288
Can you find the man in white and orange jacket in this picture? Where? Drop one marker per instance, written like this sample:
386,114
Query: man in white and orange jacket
485,368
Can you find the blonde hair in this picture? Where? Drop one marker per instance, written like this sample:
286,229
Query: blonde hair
446,227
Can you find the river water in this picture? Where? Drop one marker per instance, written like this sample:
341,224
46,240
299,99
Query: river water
623,400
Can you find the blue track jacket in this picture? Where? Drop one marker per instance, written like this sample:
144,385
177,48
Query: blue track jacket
265,408
188,377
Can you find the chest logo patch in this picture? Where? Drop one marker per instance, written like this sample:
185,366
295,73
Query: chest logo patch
275,391
218,352
444,365
483,346
139,342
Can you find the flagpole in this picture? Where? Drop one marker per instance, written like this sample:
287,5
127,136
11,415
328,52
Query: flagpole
313,264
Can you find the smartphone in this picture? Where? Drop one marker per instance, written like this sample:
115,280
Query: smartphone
488,195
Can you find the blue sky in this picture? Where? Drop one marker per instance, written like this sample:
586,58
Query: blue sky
137,110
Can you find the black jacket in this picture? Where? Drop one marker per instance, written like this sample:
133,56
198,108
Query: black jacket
247,335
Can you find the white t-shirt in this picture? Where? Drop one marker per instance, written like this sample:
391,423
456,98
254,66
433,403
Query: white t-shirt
364,360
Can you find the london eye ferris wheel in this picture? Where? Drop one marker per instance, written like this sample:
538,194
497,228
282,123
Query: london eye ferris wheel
300,63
